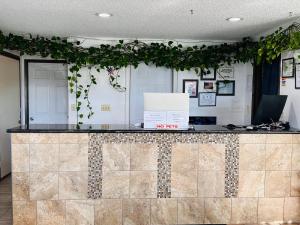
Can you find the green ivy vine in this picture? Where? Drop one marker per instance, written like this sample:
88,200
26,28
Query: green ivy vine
111,58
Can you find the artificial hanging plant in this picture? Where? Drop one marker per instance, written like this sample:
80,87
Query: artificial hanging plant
112,58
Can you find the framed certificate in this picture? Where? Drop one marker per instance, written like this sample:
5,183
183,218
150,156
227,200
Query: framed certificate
225,73
226,87
288,68
190,87
297,76
207,99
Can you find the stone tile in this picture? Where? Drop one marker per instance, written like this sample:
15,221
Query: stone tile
184,157
211,157
20,157
115,184
270,210
279,139
44,138
143,157
163,211
44,157
292,210
79,212
244,211
20,186
116,156
24,212
43,186
295,184
83,138
211,183
143,184
217,210
20,138
252,138
130,209
73,157
73,185
251,183
108,212
296,157
278,156
184,184
190,211
252,157
277,183
296,138
51,212
68,138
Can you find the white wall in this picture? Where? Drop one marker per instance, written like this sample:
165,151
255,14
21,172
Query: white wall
291,111
9,109
230,109
103,94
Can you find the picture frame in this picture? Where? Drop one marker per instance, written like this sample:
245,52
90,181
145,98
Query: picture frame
225,73
209,76
297,76
206,99
209,86
288,68
190,86
225,87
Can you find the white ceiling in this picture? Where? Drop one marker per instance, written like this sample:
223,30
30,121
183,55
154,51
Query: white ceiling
156,19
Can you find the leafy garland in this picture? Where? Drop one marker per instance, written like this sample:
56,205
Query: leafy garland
113,57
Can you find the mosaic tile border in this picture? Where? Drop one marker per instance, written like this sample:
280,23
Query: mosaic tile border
164,142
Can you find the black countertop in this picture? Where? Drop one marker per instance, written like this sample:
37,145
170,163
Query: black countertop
106,128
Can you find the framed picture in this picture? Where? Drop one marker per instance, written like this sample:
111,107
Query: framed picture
226,87
225,73
207,99
190,87
297,76
209,86
208,76
288,67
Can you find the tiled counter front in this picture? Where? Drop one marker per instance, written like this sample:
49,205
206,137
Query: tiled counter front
137,179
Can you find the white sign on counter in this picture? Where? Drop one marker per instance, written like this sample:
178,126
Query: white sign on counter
166,110
166,119
151,119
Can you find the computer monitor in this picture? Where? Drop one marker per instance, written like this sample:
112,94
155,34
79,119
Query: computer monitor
269,109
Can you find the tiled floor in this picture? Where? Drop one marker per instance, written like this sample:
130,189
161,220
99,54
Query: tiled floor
5,201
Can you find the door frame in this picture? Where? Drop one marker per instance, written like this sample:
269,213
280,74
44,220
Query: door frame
16,57
26,81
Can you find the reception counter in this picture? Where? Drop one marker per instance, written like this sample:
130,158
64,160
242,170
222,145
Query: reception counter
111,175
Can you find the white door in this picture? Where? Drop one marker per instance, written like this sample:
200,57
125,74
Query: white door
10,107
48,93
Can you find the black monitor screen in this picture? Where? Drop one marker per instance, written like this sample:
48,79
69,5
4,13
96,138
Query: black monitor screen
269,109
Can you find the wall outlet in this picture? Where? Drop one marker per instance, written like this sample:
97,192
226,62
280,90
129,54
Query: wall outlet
105,108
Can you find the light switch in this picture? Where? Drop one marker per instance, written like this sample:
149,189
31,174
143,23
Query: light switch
73,107
105,108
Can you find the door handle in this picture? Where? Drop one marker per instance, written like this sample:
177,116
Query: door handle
31,119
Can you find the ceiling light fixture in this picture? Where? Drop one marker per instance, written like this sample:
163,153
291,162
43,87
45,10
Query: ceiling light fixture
234,19
104,15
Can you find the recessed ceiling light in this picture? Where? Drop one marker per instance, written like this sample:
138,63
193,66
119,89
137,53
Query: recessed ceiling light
104,15
234,19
